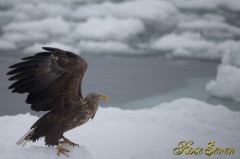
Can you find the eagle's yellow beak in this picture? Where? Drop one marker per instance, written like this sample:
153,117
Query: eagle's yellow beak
104,98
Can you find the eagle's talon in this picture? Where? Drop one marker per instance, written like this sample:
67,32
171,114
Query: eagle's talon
67,141
73,144
62,150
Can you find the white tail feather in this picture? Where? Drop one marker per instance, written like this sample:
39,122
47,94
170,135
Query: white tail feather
24,139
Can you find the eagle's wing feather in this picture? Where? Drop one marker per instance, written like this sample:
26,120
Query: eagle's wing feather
49,77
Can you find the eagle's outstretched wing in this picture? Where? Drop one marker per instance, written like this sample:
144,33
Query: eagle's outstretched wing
50,78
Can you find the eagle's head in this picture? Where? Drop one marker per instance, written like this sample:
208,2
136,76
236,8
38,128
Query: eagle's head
96,97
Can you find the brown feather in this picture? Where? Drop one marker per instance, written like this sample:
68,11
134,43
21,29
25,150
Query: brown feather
47,75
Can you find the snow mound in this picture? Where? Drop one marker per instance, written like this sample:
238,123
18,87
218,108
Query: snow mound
136,134
227,82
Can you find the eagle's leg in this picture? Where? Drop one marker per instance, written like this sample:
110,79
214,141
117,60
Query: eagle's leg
67,141
61,150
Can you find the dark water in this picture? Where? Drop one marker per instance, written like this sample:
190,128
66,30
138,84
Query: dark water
131,82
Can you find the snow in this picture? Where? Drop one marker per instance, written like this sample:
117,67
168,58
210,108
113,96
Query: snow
208,24
37,46
6,45
187,40
211,27
30,36
145,133
109,28
227,80
43,9
50,25
208,5
153,9
184,44
36,152
106,47
227,83
141,26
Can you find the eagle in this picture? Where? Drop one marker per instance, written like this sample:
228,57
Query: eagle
53,80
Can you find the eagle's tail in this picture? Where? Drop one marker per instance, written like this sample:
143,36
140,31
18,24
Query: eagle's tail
23,140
